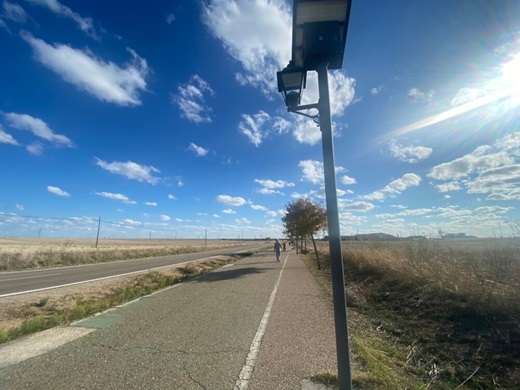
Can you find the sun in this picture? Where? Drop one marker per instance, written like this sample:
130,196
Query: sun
510,77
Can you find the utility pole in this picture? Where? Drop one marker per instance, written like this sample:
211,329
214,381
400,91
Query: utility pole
98,226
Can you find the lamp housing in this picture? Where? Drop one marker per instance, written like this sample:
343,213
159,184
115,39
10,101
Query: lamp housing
291,82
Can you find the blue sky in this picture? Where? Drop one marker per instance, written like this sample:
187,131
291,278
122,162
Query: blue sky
163,118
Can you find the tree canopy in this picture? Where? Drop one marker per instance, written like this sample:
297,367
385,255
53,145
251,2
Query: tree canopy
304,219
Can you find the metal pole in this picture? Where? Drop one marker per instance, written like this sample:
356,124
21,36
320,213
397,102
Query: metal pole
336,256
98,226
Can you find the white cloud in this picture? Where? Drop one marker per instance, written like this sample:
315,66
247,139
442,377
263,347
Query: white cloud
35,148
170,18
417,96
199,150
501,183
479,160
281,125
131,222
38,127
395,187
164,217
231,201
258,207
448,187
57,191
20,207
242,220
358,206
267,191
347,180
255,33
312,171
191,102
6,138
252,127
130,170
399,185
341,92
229,211
493,209
85,24
180,183
120,197
170,196
257,127
150,203
377,195
406,213
271,184
305,131
271,214
14,12
376,90
409,154
104,80
343,192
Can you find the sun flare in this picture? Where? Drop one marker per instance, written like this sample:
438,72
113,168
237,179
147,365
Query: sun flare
504,86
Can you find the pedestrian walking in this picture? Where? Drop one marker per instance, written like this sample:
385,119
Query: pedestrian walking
277,249
283,245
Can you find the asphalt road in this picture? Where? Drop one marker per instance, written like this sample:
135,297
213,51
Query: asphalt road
17,282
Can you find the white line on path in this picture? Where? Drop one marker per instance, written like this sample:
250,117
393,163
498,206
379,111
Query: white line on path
247,369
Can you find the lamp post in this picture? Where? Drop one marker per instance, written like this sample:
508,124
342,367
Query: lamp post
318,43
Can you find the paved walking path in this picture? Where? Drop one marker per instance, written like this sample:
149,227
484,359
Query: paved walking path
257,324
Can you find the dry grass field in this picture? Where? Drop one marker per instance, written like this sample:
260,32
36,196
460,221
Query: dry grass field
432,314
485,271
24,253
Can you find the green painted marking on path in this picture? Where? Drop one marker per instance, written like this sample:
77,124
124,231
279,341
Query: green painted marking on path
101,321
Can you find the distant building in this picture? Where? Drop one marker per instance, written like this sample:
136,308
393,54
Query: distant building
457,235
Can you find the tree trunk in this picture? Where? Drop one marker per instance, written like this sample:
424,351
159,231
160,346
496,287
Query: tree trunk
316,251
296,243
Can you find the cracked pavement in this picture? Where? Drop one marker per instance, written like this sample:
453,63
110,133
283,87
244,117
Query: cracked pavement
197,336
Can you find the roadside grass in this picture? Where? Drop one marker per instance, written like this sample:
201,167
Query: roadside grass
327,379
49,316
423,315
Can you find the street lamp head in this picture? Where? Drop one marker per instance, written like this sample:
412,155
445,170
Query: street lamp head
319,33
291,82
